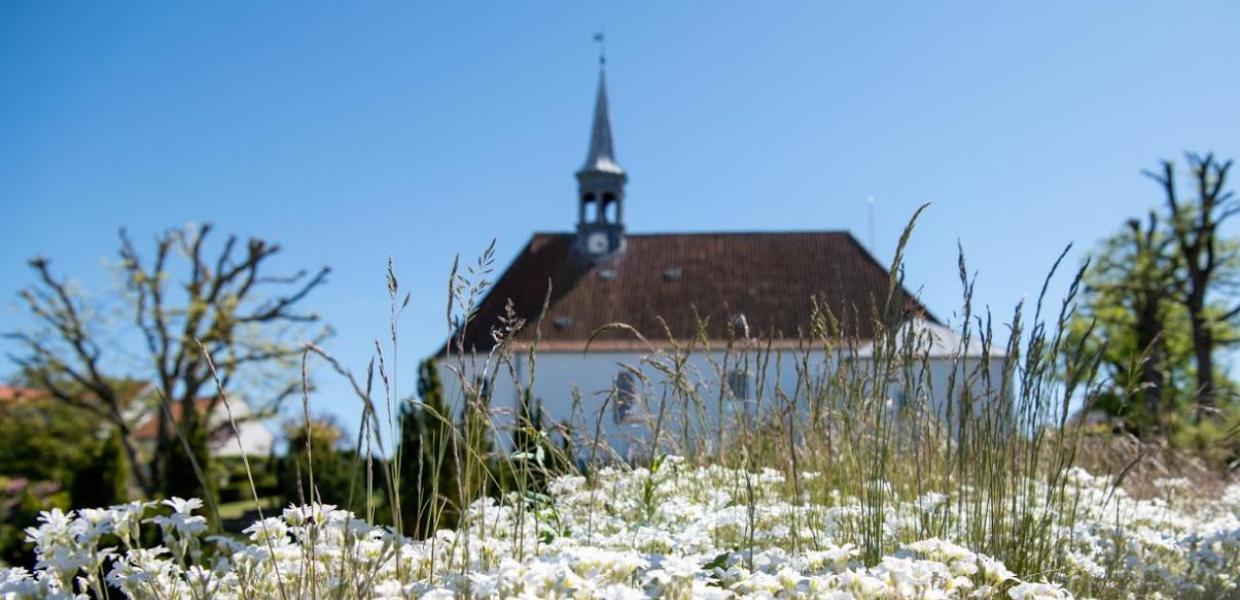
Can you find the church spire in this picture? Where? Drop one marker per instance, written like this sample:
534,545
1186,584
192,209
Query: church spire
601,156
600,186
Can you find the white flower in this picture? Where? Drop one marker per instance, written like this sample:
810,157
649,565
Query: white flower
1037,591
701,532
267,530
183,506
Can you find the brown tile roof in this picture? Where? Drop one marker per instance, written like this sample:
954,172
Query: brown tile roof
148,429
770,278
18,394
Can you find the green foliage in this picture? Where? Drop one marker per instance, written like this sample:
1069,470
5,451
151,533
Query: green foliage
1158,303
105,481
21,501
536,459
51,457
1215,440
1129,312
188,475
46,440
235,484
478,466
314,455
429,490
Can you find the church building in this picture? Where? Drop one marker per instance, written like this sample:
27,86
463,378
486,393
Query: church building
708,291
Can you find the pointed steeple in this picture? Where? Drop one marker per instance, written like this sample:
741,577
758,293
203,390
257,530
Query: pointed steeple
600,188
601,156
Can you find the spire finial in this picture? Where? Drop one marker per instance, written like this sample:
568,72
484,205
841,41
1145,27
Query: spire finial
600,38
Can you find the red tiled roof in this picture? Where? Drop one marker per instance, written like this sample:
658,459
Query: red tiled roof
11,393
769,278
149,428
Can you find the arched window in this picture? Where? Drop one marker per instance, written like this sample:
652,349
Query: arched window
583,210
628,397
609,208
483,387
738,384
897,394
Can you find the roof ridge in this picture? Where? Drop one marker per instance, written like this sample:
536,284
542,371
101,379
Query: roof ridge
844,232
771,277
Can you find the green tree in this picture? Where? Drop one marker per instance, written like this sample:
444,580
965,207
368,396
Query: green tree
45,440
186,301
21,502
105,481
1128,306
529,424
429,490
318,469
187,465
1160,299
44,445
538,459
477,465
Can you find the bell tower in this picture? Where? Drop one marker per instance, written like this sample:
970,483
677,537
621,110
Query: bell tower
600,187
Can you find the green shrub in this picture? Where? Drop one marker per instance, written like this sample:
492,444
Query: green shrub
105,480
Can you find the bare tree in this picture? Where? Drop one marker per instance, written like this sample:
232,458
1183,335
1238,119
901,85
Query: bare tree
1208,260
224,304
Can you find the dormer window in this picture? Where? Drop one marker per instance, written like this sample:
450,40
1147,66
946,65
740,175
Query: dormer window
627,403
740,325
896,394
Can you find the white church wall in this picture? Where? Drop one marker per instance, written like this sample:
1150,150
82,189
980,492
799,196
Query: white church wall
574,387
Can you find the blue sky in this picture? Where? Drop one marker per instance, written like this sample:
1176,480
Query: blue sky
351,132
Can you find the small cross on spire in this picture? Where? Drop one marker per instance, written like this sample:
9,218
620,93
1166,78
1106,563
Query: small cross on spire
601,40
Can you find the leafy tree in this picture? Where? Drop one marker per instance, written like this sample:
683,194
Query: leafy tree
1209,262
45,440
537,457
21,501
105,481
186,301
429,491
1128,306
44,447
187,468
1160,296
318,469
529,424
477,466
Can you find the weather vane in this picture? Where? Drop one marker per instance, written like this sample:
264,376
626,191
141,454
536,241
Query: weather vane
600,39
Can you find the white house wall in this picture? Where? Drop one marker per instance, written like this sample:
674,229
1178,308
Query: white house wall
254,437
565,378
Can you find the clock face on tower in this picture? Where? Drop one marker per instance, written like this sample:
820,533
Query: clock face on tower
596,243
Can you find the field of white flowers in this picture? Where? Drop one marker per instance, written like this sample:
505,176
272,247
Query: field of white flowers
828,489
678,532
